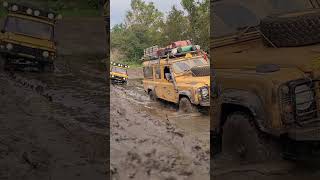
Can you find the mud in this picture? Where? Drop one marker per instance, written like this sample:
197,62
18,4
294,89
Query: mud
53,126
225,168
151,140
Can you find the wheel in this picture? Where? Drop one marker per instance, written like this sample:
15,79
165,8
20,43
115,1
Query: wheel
152,95
243,142
186,106
292,29
48,67
8,65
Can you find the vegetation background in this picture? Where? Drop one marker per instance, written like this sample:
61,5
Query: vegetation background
145,26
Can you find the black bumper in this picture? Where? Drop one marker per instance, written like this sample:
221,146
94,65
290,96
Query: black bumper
118,80
24,52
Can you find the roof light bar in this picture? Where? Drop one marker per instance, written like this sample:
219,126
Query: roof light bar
31,11
119,65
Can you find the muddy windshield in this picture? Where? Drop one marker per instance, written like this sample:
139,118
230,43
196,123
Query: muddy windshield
29,28
185,66
232,16
119,70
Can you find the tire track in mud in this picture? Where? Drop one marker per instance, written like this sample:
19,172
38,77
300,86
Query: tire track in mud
145,146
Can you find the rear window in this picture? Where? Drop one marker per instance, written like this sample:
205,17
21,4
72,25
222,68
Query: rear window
29,28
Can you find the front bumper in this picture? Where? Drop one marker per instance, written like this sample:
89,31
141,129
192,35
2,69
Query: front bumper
205,103
118,80
29,53
305,134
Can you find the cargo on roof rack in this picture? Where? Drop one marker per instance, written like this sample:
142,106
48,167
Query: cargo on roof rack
30,10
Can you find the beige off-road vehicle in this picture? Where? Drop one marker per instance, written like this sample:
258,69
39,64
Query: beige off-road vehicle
267,66
184,81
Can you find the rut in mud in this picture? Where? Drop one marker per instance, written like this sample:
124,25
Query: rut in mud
150,141
53,125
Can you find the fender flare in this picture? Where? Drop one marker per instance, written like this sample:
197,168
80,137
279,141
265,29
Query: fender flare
188,94
248,100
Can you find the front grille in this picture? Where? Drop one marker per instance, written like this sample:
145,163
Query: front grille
311,111
27,50
304,103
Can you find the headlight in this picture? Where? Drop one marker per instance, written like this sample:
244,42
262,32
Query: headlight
15,8
50,16
29,11
304,97
9,46
45,54
36,12
204,92
5,4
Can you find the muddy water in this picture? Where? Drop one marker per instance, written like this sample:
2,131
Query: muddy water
150,140
197,124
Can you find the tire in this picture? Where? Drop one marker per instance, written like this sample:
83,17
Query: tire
243,142
185,106
292,29
49,67
152,95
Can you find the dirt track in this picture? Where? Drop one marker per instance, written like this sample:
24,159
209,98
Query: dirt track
225,168
53,126
150,140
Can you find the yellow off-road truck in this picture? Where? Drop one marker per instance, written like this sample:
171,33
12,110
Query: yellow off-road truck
119,73
267,67
184,81
27,37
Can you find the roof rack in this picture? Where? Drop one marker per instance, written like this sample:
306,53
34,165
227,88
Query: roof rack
29,10
120,65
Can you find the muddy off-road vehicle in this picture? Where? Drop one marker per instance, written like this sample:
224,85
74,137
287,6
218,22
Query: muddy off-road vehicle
183,80
118,73
267,66
27,37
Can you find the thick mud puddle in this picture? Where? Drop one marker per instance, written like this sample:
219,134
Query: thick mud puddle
151,140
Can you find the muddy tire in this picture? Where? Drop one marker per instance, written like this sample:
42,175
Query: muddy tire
7,65
49,67
292,29
185,106
152,96
243,142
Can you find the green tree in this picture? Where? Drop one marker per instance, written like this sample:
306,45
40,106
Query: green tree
176,27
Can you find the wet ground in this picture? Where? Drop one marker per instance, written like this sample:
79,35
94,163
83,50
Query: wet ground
226,168
151,140
53,125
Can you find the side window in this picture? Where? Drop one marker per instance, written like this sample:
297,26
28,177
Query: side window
148,72
158,72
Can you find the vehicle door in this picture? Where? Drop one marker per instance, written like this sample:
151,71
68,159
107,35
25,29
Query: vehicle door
167,85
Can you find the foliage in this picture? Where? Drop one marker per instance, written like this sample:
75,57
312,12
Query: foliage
145,26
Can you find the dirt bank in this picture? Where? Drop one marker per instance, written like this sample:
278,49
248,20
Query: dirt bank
148,140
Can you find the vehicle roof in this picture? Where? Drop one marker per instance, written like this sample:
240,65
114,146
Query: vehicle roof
170,61
30,18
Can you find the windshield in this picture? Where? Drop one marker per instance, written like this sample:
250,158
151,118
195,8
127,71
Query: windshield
230,16
29,28
185,66
119,70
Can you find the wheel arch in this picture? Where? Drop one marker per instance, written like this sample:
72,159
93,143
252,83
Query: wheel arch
244,101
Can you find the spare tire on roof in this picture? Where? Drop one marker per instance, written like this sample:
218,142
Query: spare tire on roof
292,29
